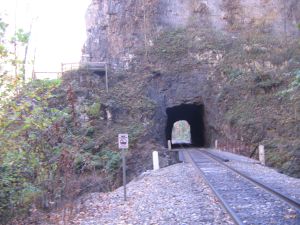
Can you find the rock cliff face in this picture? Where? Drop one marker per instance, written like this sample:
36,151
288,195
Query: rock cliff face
237,61
117,28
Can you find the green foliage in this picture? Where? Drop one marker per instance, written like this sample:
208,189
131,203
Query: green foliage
269,83
232,73
3,50
135,130
181,131
293,87
46,84
87,161
13,55
106,160
170,45
94,110
112,160
3,27
17,173
296,81
90,132
241,112
21,36
24,149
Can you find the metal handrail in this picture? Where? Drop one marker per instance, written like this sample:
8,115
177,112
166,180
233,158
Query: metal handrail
88,66
78,65
36,73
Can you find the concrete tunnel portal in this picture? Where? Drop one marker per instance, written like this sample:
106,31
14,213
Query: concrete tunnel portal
194,115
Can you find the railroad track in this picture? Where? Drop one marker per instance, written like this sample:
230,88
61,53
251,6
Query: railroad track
246,200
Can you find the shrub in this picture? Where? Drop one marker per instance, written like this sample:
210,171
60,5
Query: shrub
112,160
94,110
24,147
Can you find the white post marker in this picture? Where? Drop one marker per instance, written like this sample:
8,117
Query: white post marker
155,160
169,145
261,151
123,144
216,144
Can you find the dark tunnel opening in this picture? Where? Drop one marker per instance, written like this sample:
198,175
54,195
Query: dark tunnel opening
194,115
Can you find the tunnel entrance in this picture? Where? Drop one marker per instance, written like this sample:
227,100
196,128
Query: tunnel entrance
194,115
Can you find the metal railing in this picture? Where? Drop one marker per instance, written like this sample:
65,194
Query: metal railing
43,75
101,66
65,67
90,66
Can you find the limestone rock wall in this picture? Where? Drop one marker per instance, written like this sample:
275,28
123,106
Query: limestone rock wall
117,28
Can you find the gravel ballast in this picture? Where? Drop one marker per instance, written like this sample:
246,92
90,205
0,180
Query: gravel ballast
282,183
172,195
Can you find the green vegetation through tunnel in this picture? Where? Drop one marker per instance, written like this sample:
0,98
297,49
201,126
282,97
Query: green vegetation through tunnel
181,132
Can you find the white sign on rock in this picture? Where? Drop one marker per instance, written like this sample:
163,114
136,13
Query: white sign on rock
123,141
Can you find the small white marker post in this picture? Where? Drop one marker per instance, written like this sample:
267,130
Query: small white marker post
216,144
261,150
155,160
169,145
123,144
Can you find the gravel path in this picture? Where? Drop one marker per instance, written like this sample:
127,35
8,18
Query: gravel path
172,195
251,204
282,183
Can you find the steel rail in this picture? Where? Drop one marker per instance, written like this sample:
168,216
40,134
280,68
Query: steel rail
283,197
231,213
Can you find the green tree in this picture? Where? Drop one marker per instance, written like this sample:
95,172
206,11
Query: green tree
23,117
3,50
20,41
13,57
24,149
